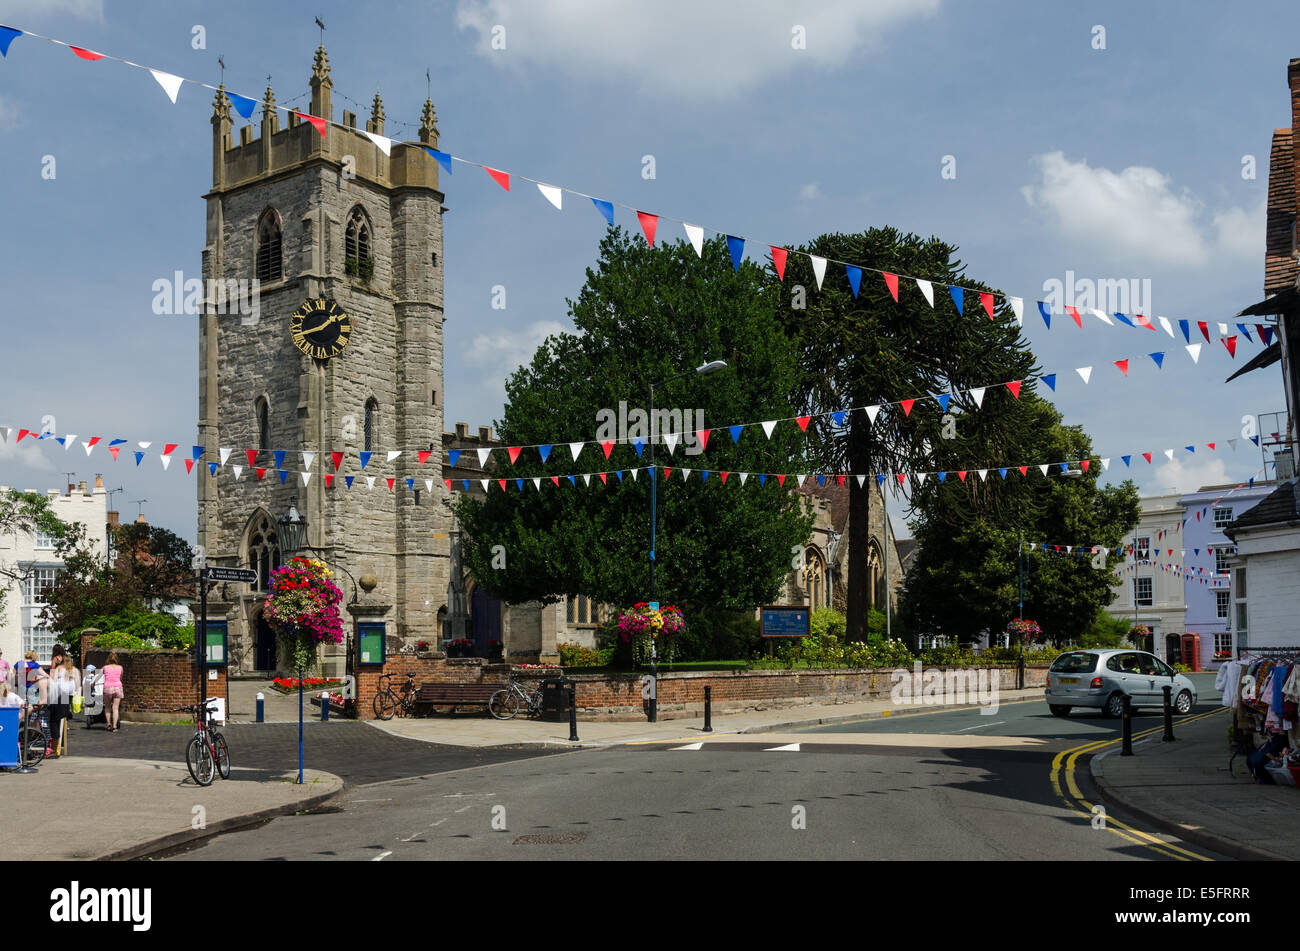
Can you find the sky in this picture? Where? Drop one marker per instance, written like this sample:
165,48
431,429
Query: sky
1107,141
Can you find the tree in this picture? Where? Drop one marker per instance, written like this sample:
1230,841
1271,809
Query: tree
648,315
869,350
25,513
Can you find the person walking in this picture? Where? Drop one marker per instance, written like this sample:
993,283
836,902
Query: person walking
66,682
36,682
113,692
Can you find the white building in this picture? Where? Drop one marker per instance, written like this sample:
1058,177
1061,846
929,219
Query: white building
21,628
1266,571
1150,589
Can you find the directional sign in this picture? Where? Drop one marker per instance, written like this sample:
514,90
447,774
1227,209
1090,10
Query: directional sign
246,575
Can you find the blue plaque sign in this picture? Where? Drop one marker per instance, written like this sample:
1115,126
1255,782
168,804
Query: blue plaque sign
779,620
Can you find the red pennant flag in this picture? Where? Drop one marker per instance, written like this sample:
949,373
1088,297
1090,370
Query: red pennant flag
260,472
778,261
987,300
1123,366
25,432
780,480
608,447
169,448
424,455
1198,516
1074,313
1145,322
703,435
337,459
252,456
961,474
390,482
907,406
114,450
841,479
603,479
668,473
448,481
1084,463
1205,330
1146,456
724,477
1211,445
803,422
1014,387
1024,470
1231,344
649,223
891,281
329,480
902,477
94,441
512,452
189,466
86,54
555,480
316,121
501,178
502,483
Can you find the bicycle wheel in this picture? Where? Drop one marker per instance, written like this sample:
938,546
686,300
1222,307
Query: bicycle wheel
198,757
36,742
385,706
503,705
223,755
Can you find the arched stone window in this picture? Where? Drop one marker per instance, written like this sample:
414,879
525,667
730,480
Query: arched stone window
875,576
815,578
357,258
263,423
269,264
263,546
372,424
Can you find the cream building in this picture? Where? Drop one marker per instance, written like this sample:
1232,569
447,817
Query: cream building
1149,591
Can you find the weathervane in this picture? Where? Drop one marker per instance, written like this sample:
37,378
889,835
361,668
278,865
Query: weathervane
221,61
322,31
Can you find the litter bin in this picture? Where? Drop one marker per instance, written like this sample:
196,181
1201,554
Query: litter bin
555,698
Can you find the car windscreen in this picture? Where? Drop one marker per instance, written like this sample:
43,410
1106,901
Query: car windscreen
1075,663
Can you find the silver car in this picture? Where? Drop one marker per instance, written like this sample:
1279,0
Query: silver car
1101,678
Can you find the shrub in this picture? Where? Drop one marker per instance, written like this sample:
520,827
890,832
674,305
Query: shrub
575,655
828,621
120,640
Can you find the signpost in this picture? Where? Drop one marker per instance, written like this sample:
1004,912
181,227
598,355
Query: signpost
204,644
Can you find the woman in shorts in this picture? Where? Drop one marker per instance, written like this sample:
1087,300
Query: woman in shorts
112,692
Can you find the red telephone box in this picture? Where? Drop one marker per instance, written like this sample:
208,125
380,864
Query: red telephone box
1192,651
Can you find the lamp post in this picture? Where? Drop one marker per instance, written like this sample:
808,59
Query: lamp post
713,366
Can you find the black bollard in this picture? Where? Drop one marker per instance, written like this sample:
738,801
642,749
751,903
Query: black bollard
708,709
573,714
1127,749
261,708
325,706
1169,715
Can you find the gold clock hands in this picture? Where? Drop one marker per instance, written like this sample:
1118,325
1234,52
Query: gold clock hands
320,326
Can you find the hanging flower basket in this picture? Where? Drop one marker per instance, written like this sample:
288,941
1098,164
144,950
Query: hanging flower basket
303,610
1138,634
642,626
1024,630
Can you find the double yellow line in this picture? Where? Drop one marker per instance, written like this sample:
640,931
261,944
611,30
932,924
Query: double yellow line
1064,764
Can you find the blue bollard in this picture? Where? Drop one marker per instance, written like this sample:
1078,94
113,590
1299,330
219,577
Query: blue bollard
261,708
325,706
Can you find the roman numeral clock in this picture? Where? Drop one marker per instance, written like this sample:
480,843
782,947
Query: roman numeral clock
320,328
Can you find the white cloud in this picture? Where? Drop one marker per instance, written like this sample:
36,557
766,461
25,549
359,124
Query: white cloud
502,351
1188,475
27,458
85,9
1137,212
683,47
810,191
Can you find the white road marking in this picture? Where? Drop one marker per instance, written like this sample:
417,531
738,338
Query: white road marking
440,821
462,809
412,836
981,726
792,748
381,856
688,746
370,800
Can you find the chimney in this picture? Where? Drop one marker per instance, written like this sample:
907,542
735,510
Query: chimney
1293,80
99,483
71,488
81,487
113,519
140,520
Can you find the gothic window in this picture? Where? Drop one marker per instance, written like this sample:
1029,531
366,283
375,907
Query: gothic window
263,549
581,610
263,424
372,424
269,265
357,258
875,576
815,578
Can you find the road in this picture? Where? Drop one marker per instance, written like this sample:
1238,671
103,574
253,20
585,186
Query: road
936,786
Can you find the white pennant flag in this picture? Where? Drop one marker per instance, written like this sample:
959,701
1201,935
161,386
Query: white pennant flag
170,84
428,485
5,432
984,474
238,472
394,453
225,454
586,478
68,440
695,234
768,426
1031,546
743,477
872,413
575,449
670,440
537,483
686,474
384,142
370,482
819,268
1105,464
551,194
89,447
1164,322
307,459
1017,308
483,455
1232,444
1085,372
166,461
485,483
1195,350
306,477
144,445
920,478
1067,549
928,290
1169,453
977,394
861,479
635,473
1102,316
801,479
1223,329
1044,469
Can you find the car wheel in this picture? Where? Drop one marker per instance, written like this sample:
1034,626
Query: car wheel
1183,703
1114,706
1058,710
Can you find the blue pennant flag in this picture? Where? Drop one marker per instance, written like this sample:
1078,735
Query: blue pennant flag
640,447
1252,482
855,277
821,481
1186,328
138,457
880,479
198,451
1050,380
1159,358
243,105
605,208
365,458
1266,334
452,456
444,158
544,450
465,483
348,480
410,483
1003,473
957,297
279,458
7,35
704,476
519,483
838,417
762,478
619,473
1242,328
1191,448
735,433
283,474
737,248
1126,459
571,482
45,435
1255,440
61,441
117,442
943,399
212,468
1197,550
1047,314
942,476
1065,467
1119,316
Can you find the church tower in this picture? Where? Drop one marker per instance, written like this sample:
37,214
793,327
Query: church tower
338,348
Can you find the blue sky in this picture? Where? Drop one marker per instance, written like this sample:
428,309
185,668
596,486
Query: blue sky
1117,163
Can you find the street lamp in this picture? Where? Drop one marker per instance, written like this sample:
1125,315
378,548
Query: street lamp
293,529
712,366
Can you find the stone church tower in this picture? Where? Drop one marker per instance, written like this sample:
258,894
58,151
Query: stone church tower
332,222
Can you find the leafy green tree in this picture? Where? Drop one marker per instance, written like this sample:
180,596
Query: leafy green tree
645,316
25,513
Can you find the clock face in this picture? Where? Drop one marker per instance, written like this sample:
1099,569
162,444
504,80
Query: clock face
320,328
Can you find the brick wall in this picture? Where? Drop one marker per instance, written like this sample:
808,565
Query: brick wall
156,682
429,667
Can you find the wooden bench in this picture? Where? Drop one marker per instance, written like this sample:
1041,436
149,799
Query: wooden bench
456,695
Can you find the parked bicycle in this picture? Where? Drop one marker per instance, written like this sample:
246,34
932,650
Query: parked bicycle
35,738
206,754
389,701
504,704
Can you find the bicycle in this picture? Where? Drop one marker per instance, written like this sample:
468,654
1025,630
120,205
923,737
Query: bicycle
388,701
36,740
504,704
206,754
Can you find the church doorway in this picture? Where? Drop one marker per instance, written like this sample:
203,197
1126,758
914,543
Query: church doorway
264,650
485,613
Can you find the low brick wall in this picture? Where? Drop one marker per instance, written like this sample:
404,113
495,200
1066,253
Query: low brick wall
429,667
156,682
